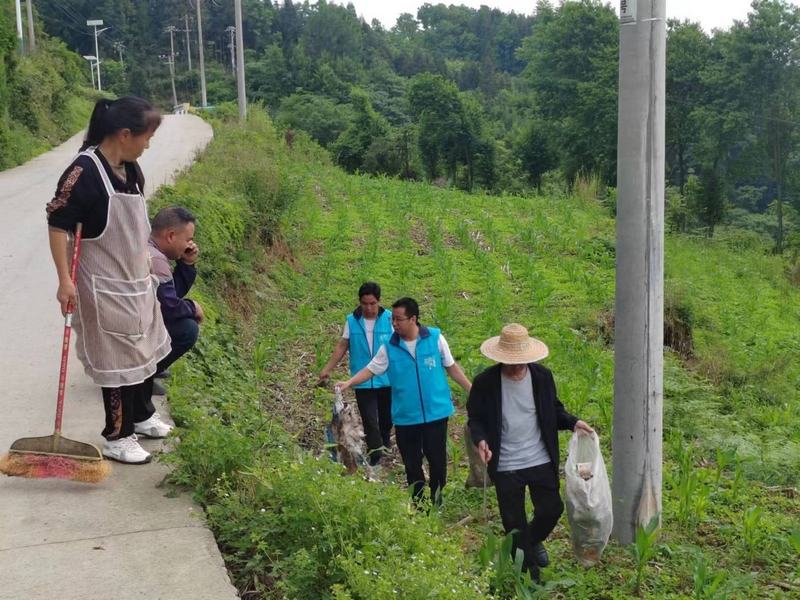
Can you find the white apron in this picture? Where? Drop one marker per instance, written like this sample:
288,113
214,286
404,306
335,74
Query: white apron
119,331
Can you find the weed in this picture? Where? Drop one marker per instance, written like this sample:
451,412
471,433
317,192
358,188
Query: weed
643,549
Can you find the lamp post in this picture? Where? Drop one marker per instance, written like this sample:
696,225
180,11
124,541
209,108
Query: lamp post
91,60
97,23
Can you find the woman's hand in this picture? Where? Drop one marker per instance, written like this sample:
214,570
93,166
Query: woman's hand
484,452
66,295
342,385
581,426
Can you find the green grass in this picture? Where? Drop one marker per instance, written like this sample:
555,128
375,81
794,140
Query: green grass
287,239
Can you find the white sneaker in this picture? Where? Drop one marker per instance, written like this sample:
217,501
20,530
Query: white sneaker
126,450
154,427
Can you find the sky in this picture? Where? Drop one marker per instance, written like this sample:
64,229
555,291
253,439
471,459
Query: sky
711,14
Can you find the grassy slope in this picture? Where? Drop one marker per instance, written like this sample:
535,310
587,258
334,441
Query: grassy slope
474,263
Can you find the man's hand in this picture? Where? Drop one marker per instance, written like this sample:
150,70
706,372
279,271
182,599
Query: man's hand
190,254
198,312
66,295
581,426
323,377
484,452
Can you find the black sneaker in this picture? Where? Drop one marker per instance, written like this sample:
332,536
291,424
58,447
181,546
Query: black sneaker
158,388
540,555
163,375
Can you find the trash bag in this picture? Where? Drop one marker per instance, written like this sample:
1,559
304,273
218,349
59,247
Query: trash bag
346,436
588,496
477,470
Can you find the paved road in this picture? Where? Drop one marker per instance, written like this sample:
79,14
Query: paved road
120,539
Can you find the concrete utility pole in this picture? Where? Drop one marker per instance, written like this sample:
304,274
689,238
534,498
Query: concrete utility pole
188,42
240,61
639,312
119,47
171,31
96,23
204,99
31,35
19,27
231,31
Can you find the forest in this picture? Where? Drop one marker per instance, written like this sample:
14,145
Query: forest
482,99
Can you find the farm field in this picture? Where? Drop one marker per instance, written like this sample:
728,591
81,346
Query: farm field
287,239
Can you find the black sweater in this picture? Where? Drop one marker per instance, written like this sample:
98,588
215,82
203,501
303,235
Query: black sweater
485,410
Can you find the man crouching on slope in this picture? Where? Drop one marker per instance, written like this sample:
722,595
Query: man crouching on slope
514,418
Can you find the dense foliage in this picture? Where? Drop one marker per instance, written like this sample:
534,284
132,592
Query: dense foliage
41,100
482,99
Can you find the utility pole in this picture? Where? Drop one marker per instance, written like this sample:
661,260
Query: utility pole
231,31
119,47
188,42
240,61
19,27
639,311
204,99
96,23
31,36
171,31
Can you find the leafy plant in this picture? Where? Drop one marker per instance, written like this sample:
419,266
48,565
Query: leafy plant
643,549
753,535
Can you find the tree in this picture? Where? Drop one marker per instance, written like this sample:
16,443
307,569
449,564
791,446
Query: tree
535,151
364,129
323,119
688,51
573,70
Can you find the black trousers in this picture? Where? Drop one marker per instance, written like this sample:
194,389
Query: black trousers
184,334
375,407
126,406
428,440
542,481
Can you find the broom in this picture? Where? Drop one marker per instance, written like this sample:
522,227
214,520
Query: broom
54,456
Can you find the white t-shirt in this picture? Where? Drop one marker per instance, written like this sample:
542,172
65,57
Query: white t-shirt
369,327
380,364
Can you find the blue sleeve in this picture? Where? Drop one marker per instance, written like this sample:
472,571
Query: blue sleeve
172,306
183,276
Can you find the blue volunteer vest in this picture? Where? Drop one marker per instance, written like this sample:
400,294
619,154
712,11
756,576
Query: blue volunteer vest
420,393
360,355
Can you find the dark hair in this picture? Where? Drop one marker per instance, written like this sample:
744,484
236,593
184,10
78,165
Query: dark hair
111,116
172,217
410,305
370,288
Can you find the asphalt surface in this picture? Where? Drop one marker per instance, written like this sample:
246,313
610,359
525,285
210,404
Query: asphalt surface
122,538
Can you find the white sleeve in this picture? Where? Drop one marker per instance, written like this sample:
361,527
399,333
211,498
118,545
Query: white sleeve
444,352
346,332
380,363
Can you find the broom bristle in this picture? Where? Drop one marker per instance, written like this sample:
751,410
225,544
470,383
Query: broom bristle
37,466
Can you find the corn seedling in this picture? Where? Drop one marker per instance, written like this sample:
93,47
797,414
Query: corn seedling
456,452
725,458
643,549
753,537
710,586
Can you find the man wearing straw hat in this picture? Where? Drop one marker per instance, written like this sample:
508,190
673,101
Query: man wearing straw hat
514,419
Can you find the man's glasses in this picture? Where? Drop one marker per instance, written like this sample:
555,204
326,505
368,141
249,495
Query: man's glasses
400,319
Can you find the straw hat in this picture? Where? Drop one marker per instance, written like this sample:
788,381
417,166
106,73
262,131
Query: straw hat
514,346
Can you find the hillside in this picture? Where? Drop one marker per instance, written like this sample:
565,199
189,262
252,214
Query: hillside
287,238
43,95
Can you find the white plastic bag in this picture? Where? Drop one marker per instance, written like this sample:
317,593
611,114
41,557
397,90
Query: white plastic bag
588,493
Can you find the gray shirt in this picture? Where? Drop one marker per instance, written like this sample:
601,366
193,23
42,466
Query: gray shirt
521,444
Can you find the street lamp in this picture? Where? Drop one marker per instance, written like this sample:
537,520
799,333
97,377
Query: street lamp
95,23
92,60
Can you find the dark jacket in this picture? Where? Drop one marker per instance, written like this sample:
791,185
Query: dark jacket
485,410
173,286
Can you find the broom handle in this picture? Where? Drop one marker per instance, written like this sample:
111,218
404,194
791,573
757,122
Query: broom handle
62,378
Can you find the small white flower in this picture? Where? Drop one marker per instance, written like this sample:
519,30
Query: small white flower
263,510
322,493
366,572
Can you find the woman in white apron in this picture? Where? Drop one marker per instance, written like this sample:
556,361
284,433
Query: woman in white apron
118,329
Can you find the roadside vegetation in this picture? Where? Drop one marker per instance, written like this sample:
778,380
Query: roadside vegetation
43,95
286,239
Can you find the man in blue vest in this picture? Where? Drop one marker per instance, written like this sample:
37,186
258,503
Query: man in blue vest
366,329
417,359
